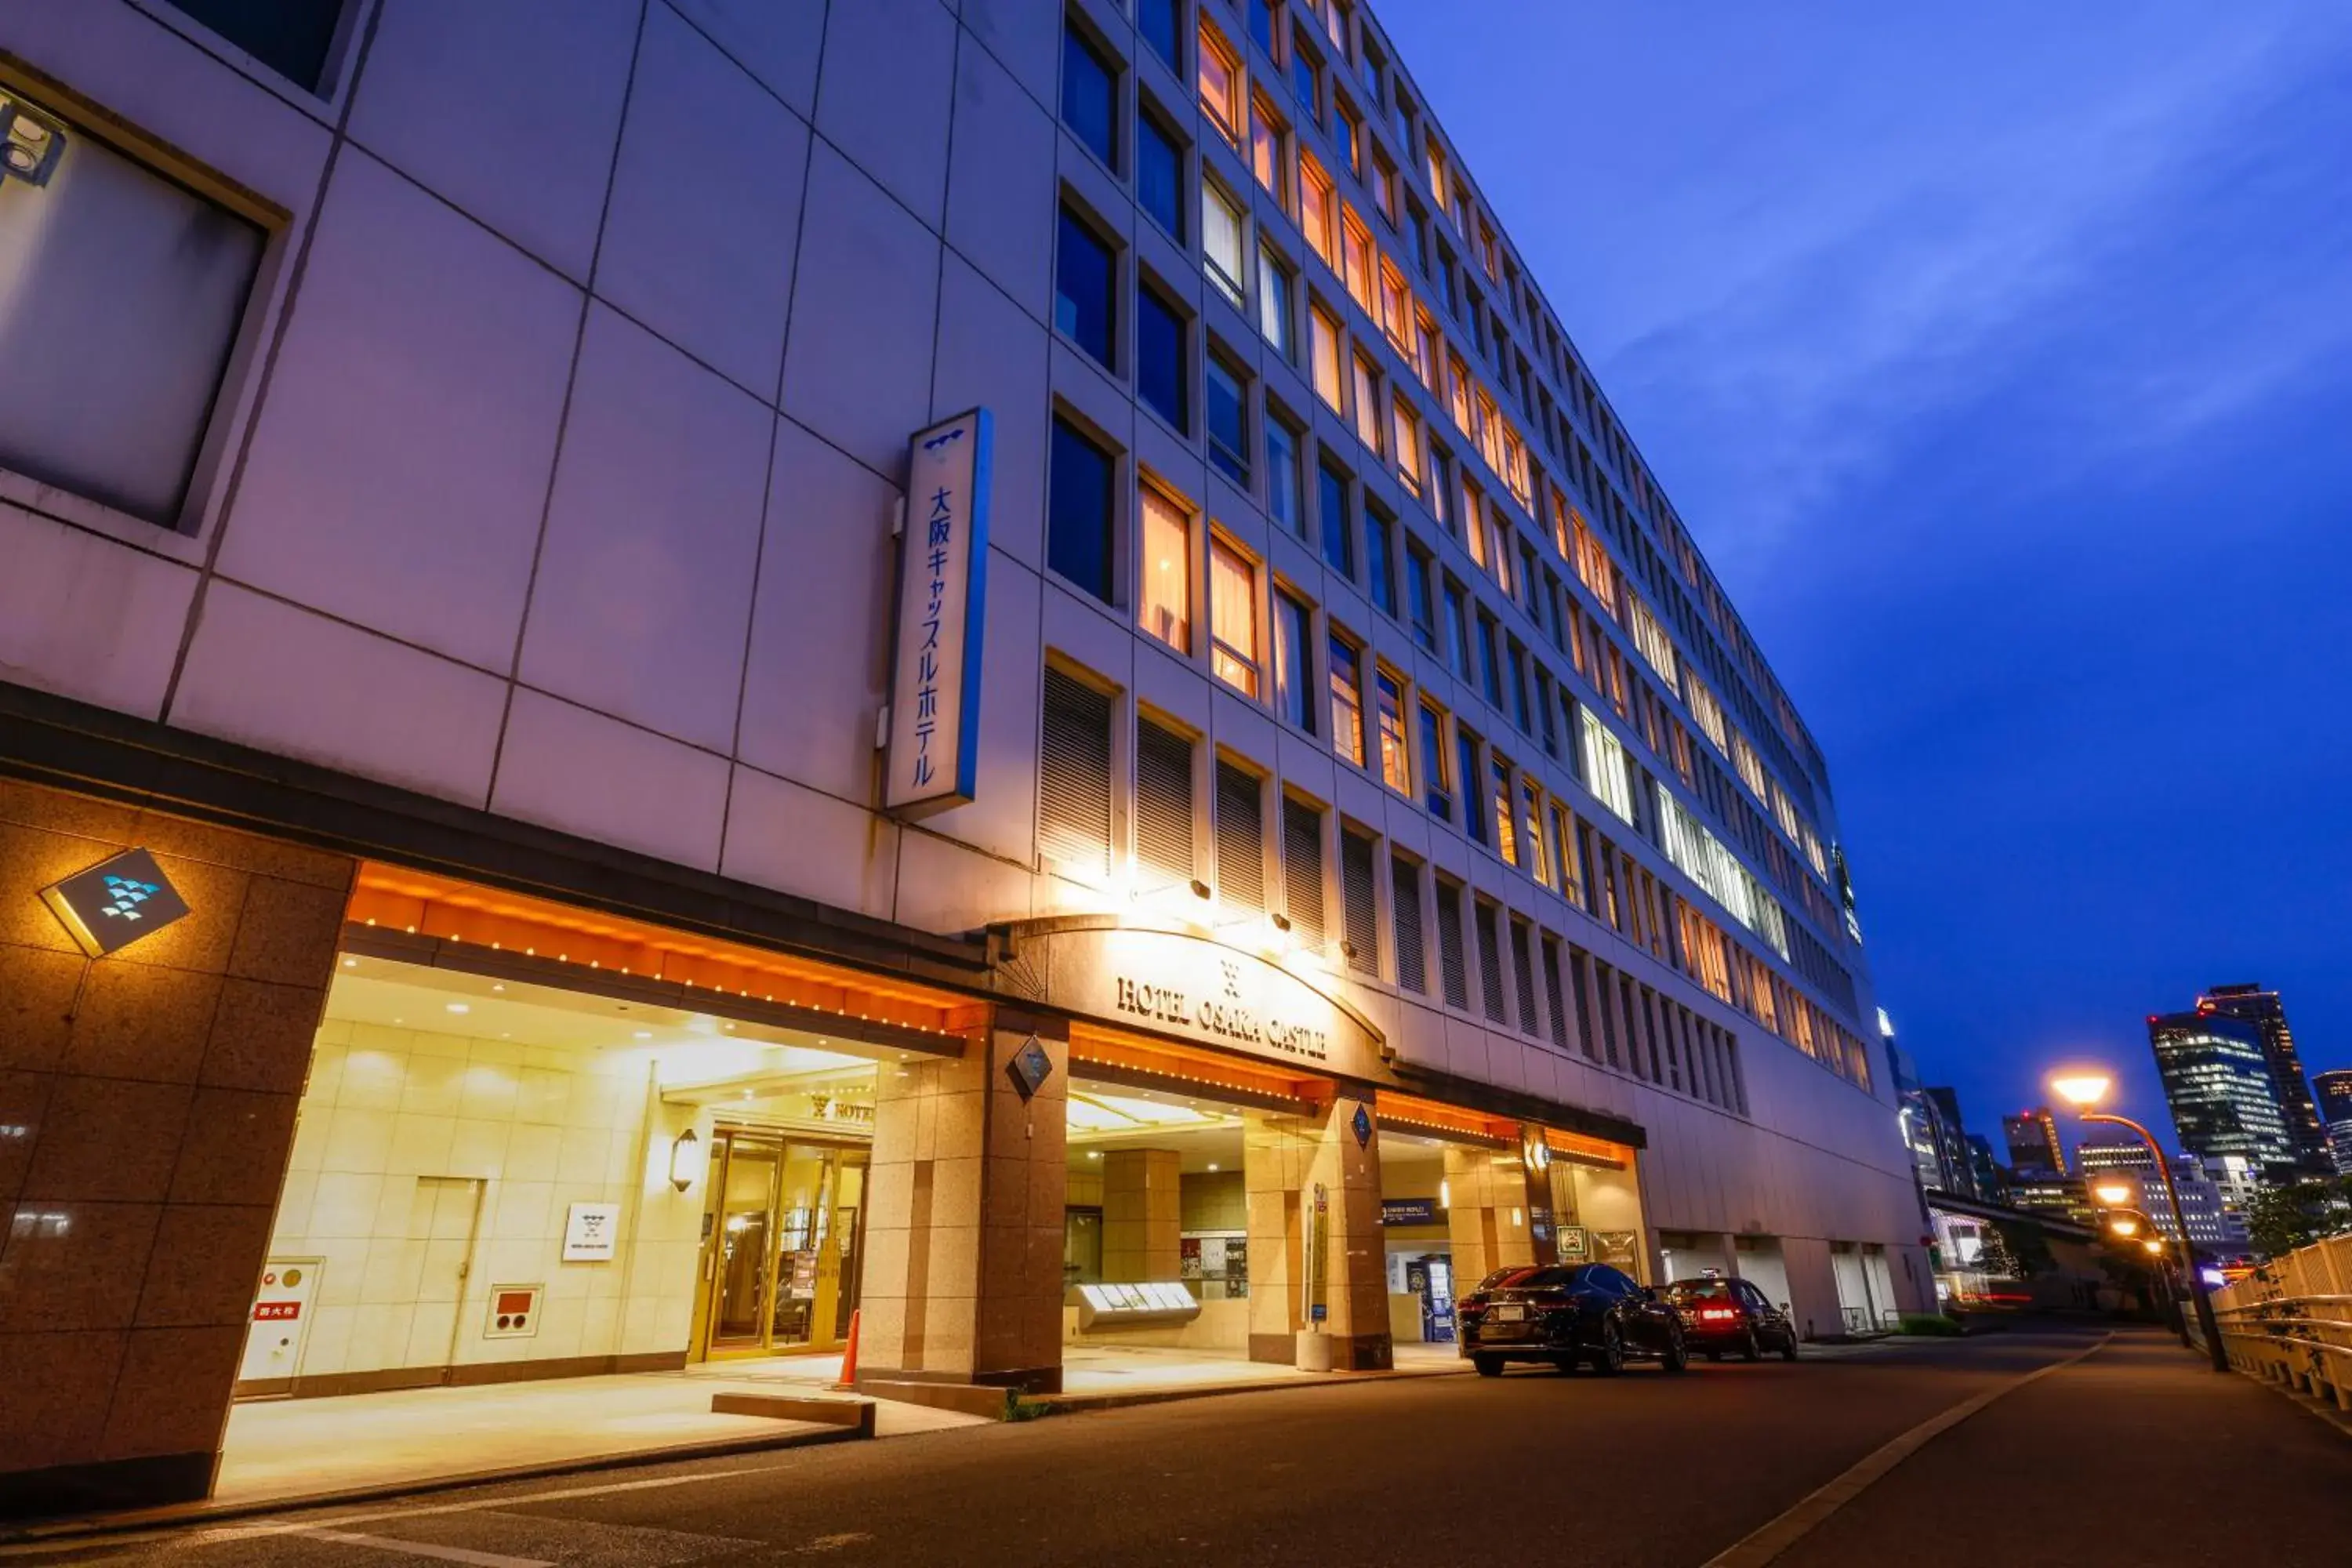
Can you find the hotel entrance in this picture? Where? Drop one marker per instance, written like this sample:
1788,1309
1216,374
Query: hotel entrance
782,1239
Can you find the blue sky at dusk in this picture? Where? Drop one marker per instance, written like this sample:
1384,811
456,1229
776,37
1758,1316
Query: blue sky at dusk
2001,363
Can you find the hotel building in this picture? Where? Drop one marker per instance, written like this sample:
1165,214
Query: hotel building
677,678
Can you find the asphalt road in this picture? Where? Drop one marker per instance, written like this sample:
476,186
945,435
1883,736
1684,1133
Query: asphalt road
1535,1467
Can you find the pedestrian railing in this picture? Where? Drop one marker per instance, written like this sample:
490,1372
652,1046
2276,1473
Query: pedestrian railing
2302,1341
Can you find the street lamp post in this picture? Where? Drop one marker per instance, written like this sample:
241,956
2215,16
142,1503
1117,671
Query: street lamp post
2084,1091
2128,1224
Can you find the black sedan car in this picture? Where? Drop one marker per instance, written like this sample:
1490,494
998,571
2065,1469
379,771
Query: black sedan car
1721,1315
1567,1313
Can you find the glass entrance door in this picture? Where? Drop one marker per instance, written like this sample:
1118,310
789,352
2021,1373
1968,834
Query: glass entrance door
785,1230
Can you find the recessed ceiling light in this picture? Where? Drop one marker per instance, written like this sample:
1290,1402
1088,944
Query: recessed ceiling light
1213,1165
1093,1153
644,1034
350,964
500,989
400,1020
458,1006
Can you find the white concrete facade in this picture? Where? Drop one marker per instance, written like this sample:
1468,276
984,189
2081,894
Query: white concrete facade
554,476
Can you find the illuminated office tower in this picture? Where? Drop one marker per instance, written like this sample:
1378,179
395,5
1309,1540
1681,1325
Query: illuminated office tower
2252,1004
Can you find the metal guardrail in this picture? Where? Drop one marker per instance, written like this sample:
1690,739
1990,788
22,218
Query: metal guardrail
2258,1334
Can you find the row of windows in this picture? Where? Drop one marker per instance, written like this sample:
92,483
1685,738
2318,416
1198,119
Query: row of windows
1082,547
1473,937
1294,57
1350,380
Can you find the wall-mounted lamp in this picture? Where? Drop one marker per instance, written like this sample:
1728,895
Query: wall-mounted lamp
686,1160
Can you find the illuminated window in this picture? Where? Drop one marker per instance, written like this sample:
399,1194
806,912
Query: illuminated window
1405,431
1323,353
1233,617
1396,309
1221,84
1221,241
1367,403
1531,831
1426,347
1436,175
1167,602
1356,260
1457,380
1346,699
1507,832
1651,641
1607,769
1318,210
1394,770
1708,712
1269,136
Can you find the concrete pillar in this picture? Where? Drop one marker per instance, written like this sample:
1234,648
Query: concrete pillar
1487,1213
1285,1159
963,1241
1143,1214
147,1110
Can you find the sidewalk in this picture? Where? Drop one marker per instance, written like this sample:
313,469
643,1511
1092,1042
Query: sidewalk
281,1453
2139,1454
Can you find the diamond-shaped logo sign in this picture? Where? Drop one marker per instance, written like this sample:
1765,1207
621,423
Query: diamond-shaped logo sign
1361,1125
1030,1067
116,903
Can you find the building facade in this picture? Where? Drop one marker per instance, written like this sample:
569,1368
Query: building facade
2249,1004
1956,1160
680,677
2215,1224
2217,1079
2033,1145
2334,1088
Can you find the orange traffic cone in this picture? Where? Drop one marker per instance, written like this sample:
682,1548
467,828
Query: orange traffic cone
849,1356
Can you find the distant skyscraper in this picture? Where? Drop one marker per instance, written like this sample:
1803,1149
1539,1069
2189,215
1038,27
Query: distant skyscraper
1915,1113
1955,1170
2252,1004
1992,1182
2032,1138
2334,1087
2223,1099
2213,1224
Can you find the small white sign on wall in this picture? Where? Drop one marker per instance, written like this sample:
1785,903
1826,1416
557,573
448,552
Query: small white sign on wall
592,1233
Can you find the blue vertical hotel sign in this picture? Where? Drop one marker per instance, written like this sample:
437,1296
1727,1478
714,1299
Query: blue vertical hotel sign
934,733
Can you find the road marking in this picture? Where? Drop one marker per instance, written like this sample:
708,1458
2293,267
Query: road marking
424,1549
184,1535
1764,1544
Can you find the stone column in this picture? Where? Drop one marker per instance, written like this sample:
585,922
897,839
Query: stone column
147,1109
964,1242
1143,1216
1285,1159
1487,1213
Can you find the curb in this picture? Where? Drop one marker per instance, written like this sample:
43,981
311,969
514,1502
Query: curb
98,1527
1079,1404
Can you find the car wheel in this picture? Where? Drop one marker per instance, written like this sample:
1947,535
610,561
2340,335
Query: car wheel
1789,1346
1748,1349
1487,1365
1677,1357
1609,1355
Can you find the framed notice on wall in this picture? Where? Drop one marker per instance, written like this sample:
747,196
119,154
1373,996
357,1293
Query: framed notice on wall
592,1233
